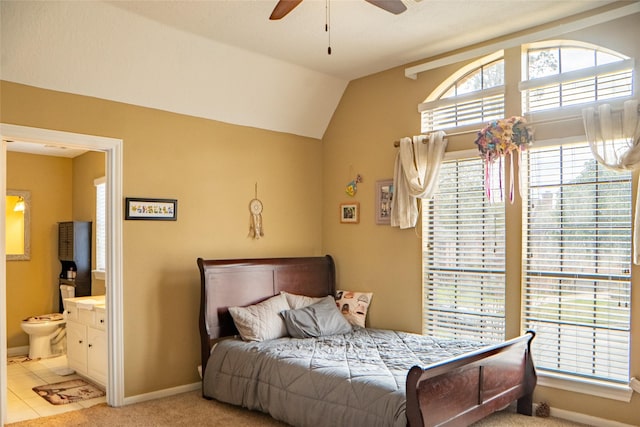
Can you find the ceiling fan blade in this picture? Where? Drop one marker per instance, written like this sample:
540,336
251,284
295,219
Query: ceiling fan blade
283,8
394,6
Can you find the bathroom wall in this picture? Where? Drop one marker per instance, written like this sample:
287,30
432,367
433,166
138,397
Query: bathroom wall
86,168
32,284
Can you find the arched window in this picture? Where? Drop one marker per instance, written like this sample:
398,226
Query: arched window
560,74
576,225
473,95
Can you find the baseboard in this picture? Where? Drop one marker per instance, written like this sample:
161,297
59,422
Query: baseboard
18,351
162,393
577,417
557,413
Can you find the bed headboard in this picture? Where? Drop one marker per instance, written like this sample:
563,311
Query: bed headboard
241,282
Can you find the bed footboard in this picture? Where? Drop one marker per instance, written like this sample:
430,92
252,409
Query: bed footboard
460,391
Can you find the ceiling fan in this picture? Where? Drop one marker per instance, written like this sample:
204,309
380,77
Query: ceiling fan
285,6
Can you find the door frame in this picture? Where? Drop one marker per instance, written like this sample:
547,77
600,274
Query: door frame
113,149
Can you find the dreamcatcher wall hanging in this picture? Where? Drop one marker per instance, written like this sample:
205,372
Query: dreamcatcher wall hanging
255,220
495,141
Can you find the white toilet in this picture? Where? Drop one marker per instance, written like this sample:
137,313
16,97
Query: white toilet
47,333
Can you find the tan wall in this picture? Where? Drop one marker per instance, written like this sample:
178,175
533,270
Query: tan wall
374,112
86,168
211,169
31,285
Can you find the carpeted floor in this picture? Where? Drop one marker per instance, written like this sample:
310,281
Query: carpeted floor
190,409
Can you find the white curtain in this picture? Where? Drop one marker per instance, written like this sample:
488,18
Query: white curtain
415,176
614,138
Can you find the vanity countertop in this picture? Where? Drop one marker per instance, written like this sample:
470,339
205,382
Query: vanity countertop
87,303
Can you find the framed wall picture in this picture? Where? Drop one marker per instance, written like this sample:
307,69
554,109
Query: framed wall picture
350,213
152,209
384,196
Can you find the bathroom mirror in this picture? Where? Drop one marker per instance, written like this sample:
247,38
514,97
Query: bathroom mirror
18,225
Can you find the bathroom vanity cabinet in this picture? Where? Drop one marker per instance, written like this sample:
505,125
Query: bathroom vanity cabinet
74,253
87,338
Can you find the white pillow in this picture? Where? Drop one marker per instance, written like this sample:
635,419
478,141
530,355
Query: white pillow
300,301
262,321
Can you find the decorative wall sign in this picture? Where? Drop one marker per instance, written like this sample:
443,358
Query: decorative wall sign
384,196
152,209
350,213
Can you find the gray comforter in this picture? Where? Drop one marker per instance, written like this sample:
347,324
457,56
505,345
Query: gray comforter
355,379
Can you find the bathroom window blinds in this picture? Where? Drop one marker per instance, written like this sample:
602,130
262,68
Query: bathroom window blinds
101,229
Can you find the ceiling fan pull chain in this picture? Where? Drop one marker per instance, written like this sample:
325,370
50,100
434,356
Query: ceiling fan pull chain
327,24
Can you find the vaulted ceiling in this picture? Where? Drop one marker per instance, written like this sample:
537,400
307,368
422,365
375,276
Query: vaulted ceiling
225,60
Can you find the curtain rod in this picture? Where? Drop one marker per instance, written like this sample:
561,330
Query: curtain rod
534,123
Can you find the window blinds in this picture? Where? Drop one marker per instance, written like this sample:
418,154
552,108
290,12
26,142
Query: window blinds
576,284
101,231
477,107
463,257
608,81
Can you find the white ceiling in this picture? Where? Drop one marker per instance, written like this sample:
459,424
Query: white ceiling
364,38
44,149
225,60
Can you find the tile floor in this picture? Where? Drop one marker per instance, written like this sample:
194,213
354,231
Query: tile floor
22,375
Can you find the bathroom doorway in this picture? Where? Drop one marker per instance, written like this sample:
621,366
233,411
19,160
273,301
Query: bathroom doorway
113,168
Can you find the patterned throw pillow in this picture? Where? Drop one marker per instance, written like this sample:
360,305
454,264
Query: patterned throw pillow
354,306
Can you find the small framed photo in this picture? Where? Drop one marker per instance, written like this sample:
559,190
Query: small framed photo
152,209
350,213
384,196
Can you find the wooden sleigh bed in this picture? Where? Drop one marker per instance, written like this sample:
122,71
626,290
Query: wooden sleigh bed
453,392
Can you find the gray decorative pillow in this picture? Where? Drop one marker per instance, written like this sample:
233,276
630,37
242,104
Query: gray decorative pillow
316,320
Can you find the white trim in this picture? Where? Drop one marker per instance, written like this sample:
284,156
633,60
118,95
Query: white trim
553,142
571,112
461,154
609,15
577,417
98,274
3,285
114,164
585,386
159,394
18,351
